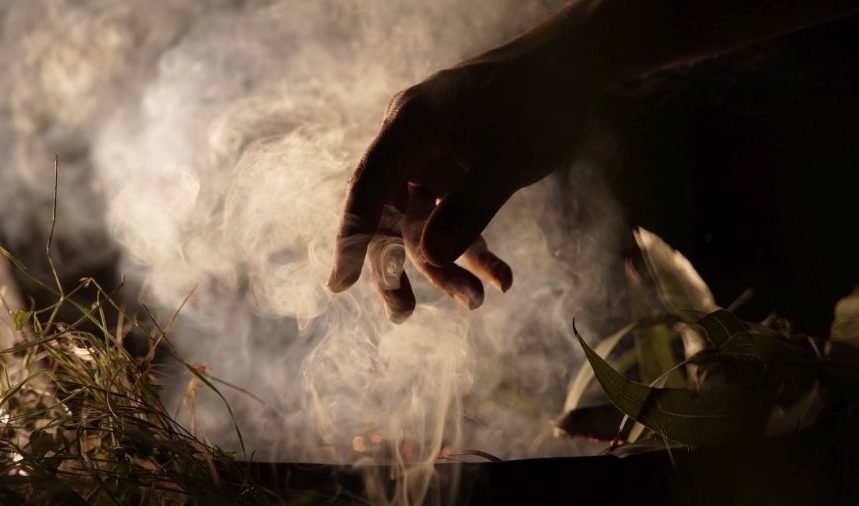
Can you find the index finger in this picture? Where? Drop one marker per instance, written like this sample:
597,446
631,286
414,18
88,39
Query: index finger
379,174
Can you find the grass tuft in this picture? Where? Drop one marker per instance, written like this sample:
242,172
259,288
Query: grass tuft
81,418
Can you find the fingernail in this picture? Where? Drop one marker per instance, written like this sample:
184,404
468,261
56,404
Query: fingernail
337,282
440,248
332,281
467,296
398,317
505,278
502,286
501,276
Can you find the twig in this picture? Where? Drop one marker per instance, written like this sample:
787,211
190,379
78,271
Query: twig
51,241
475,453
741,299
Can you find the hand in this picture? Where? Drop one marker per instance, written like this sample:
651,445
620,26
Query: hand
455,147
450,152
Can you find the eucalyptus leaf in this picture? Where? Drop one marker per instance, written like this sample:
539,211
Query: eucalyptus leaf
597,422
728,334
681,288
585,376
717,414
760,358
845,327
654,344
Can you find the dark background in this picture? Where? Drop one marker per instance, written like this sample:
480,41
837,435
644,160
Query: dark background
749,165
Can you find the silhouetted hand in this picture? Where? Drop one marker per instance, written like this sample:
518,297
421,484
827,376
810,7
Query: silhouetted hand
455,147
450,152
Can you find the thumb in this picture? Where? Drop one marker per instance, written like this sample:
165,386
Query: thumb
461,217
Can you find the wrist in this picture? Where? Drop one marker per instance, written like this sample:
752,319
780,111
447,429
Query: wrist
600,36
587,42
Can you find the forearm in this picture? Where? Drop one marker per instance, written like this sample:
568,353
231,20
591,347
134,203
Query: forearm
618,39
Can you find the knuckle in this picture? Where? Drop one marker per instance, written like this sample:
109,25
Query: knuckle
408,104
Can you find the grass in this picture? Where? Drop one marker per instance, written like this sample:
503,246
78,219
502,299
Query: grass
81,417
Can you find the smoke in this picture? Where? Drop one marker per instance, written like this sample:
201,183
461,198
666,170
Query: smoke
211,143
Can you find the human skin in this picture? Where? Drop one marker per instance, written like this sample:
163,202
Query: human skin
454,148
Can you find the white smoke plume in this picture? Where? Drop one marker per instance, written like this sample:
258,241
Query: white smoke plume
213,140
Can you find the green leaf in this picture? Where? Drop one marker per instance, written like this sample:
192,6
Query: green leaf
654,344
680,286
585,376
759,359
20,318
718,414
728,334
596,422
845,327
9,256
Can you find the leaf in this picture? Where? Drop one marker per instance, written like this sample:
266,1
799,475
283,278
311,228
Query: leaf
20,318
654,344
717,414
655,349
845,327
728,334
635,432
9,256
796,415
598,422
680,286
585,375
760,359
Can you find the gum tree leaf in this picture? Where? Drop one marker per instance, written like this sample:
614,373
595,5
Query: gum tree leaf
728,334
584,376
759,359
845,327
680,286
717,414
597,422
654,344
839,374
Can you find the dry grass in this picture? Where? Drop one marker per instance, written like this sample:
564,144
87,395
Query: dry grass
84,421
81,418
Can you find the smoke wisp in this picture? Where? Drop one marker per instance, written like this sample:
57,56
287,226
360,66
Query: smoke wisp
210,144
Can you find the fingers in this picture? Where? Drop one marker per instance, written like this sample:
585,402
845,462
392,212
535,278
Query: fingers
452,279
488,267
376,180
399,234
400,301
387,256
458,220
